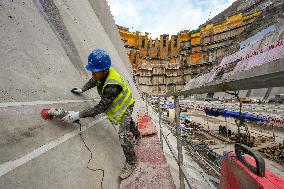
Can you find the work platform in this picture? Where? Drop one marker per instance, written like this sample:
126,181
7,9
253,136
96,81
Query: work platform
152,170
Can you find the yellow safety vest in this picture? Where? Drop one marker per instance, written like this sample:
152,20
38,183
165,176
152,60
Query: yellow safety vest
122,101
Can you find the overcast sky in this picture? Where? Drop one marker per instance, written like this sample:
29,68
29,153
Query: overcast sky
165,16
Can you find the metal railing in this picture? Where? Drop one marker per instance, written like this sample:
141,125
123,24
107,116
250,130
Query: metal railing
178,157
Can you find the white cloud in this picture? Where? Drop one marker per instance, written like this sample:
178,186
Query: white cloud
165,16
125,13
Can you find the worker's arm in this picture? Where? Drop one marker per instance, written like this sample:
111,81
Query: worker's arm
90,84
110,93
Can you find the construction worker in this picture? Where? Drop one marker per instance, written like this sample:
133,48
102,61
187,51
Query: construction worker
116,101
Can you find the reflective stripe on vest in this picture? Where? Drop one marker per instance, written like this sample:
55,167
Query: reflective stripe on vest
120,104
123,107
112,81
124,94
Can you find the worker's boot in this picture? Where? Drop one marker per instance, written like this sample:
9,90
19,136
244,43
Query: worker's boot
127,170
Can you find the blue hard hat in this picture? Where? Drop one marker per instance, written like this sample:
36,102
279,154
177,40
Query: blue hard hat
98,60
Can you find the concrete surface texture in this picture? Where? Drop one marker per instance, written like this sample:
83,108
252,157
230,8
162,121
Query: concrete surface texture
43,48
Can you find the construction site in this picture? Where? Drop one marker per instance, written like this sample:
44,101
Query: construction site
209,102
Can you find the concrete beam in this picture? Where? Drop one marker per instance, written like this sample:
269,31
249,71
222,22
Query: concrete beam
264,76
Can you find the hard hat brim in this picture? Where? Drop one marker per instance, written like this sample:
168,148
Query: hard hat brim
94,70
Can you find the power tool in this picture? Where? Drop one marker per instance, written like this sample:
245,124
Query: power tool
49,114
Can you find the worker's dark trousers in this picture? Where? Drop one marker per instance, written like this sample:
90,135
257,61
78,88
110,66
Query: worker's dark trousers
127,131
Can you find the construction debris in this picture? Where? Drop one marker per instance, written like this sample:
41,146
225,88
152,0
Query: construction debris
251,141
275,153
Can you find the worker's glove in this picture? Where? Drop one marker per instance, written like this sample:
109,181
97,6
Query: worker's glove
76,90
71,117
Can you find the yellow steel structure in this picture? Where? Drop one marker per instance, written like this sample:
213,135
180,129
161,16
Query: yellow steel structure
203,45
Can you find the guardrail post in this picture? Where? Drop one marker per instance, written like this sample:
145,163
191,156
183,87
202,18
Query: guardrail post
160,114
147,110
179,143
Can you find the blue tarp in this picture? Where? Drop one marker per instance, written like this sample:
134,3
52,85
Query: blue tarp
227,113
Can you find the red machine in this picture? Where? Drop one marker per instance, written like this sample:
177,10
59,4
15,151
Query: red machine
240,171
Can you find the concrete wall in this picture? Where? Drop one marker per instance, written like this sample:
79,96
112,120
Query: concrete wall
258,93
276,91
103,13
43,48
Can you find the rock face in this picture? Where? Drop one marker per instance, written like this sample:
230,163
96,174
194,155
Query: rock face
271,14
265,33
233,9
43,48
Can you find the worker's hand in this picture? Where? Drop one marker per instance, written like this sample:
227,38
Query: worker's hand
76,90
71,117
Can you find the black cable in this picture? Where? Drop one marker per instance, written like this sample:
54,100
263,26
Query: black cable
91,157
